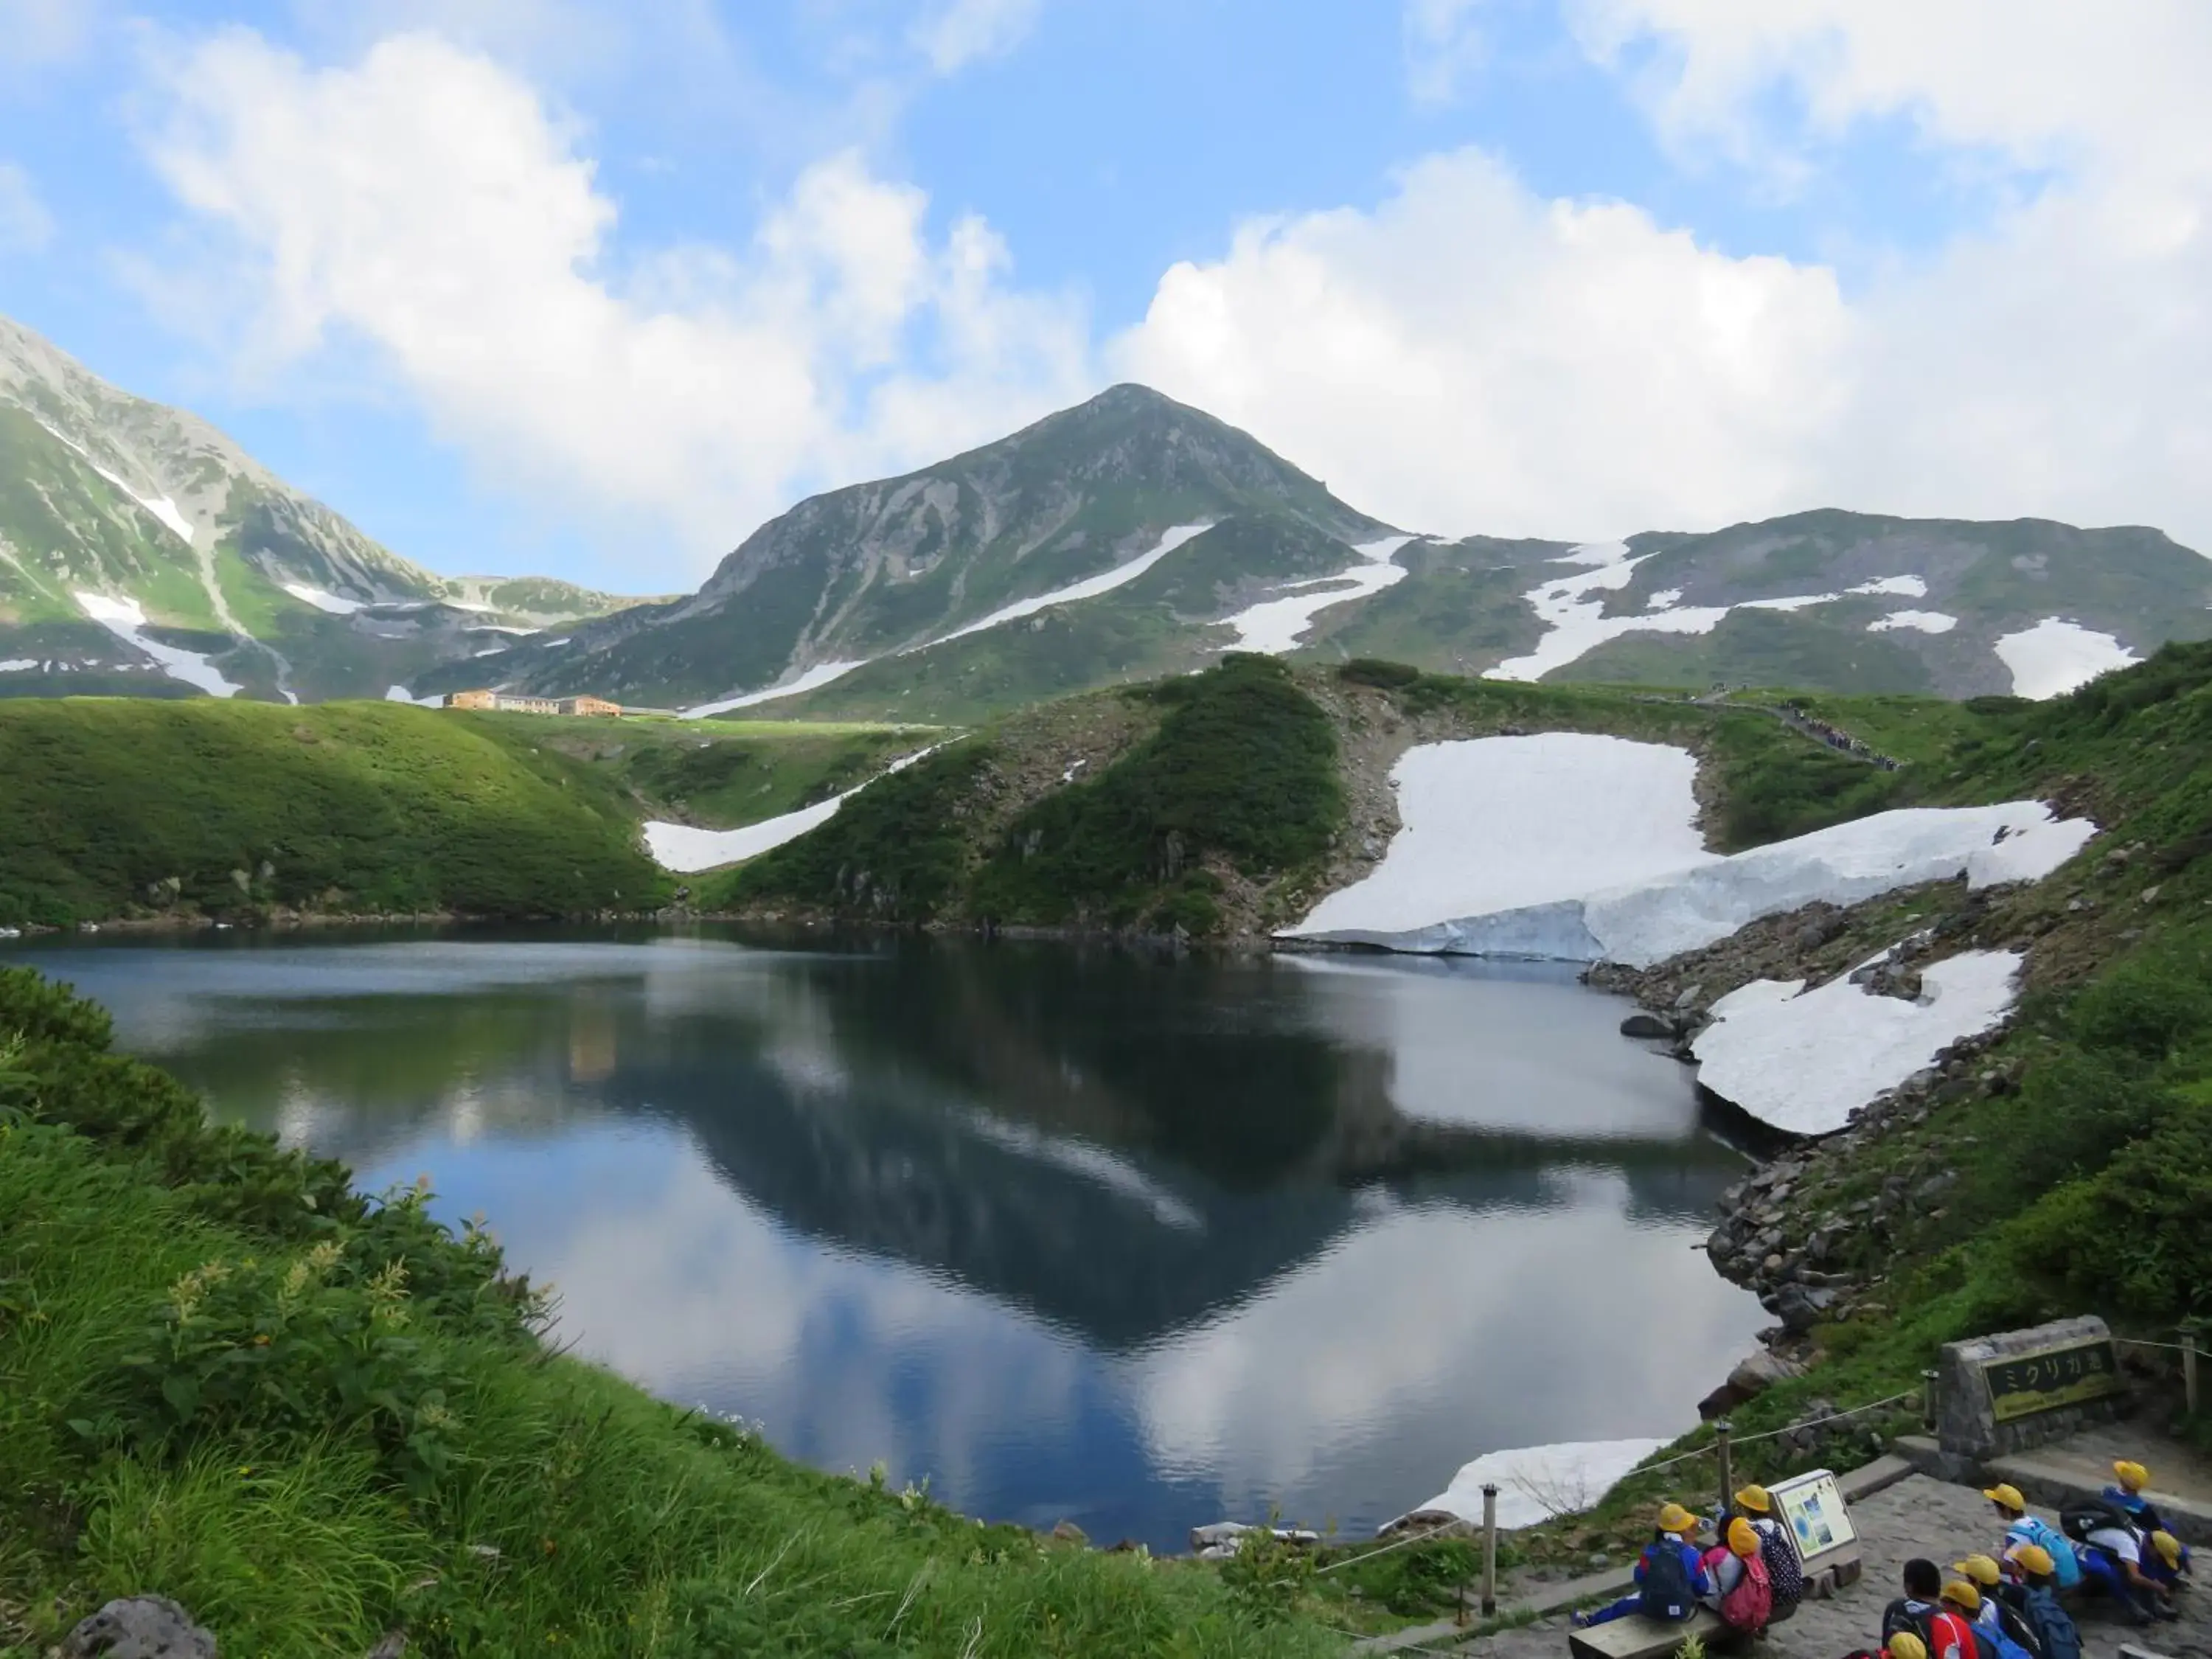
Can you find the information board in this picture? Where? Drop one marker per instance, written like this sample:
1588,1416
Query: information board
2027,1384
1815,1511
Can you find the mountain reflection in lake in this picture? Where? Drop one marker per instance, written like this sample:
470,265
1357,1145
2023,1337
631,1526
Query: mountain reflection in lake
1073,1234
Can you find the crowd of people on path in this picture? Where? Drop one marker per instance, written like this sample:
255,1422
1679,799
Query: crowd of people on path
2012,1604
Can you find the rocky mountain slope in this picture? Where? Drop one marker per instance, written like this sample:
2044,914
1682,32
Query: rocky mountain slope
1133,538
142,551
953,556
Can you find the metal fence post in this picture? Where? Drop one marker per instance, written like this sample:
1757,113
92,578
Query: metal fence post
2188,1363
1489,1550
1931,1380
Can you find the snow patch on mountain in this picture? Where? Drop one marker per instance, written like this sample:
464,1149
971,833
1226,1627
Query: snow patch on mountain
1580,849
1924,622
1572,609
2055,657
815,677
322,601
18,665
1803,1060
1089,588
687,850
1275,626
401,694
127,622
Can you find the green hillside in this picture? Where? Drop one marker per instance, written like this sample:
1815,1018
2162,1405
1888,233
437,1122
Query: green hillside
115,807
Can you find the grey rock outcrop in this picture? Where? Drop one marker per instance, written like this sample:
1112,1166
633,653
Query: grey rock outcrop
139,1627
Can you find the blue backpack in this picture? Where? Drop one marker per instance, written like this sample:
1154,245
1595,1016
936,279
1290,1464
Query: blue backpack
2034,1529
2053,1625
1666,1593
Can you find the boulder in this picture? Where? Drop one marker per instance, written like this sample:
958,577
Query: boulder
138,1627
1641,1024
1800,1307
1756,1373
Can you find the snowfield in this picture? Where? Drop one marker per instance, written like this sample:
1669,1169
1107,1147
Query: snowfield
687,851
401,694
127,622
1572,610
322,601
1537,1482
1496,823
1803,1060
18,665
1275,626
1586,850
820,674
1925,621
2056,657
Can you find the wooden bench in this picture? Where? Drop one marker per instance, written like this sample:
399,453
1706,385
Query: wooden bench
1638,1638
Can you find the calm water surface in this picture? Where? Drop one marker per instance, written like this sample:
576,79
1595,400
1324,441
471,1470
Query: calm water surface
1075,1235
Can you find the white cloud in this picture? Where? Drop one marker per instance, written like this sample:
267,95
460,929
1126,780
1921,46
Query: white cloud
1467,355
424,202
1470,356
956,33
34,32
25,224
1443,45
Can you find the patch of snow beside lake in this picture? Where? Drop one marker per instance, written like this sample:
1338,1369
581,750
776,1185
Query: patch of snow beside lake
1582,848
1496,823
687,850
2055,657
1275,626
322,601
1535,1483
1803,1060
1925,621
127,622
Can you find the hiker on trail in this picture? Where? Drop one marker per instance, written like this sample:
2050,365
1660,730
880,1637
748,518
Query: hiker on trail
2126,1495
1920,1611
2112,1561
1776,1547
1670,1576
2040,1605
1741,1593
1998,1613
2023,1528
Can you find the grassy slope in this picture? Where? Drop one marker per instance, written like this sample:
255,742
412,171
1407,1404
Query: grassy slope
719,774
225,1377
352,807
1242,768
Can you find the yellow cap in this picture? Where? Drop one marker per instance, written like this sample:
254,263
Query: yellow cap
2007,1497
1906,1645
1755,1498
1964,1594
1673,1517
2033,1558
2134,1476
2168,1547
1743,1537
1981,1570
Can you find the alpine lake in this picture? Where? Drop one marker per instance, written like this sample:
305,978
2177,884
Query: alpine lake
1070,1232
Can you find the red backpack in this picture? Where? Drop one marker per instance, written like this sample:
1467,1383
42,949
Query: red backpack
1751,1603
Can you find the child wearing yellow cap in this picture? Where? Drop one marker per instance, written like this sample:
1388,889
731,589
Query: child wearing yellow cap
2021,1527
2127,1495
1670,1576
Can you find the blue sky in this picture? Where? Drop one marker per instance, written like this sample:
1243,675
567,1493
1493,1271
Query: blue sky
544,284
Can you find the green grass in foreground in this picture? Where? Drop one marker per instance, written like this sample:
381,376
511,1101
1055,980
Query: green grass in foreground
118,806
311,1417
